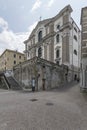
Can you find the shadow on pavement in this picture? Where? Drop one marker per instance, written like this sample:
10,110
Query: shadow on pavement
65,87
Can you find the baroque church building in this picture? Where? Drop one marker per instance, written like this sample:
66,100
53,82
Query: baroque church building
55,42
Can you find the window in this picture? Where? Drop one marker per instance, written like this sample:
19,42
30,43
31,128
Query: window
19,57
40,52
58,26
57,54
75,52
57,38
57,62
28,54
47,30
14,62
31,42
28,47
75,29
40,36
14,55
75,37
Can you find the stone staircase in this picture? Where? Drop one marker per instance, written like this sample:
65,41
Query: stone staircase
3,82
13,83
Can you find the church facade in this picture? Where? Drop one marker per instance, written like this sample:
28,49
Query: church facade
57,42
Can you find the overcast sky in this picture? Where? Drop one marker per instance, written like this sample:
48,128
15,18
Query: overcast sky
19,17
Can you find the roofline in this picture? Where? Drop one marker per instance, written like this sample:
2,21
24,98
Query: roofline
68,7
76,24
10,51
82,13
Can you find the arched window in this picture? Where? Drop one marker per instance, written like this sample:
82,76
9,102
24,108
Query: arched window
39,36
75,37
58,26
40,52
75,52
57,38
75,29
57,54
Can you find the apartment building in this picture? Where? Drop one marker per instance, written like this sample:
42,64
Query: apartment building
10,58
53,53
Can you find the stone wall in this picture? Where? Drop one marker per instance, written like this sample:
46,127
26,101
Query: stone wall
83,82
47,74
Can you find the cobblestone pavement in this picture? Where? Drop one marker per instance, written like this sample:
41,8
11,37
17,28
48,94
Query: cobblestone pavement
63,109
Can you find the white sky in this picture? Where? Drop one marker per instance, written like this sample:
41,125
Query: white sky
19,17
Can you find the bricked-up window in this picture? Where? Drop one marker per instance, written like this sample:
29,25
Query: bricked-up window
14,62
57,53
40,36
40,52
57,38
14,55
75,37
75,52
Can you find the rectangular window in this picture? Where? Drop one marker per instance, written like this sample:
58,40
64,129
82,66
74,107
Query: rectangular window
19,57
28,54
57,62
57,54
57,38
14,55
14,62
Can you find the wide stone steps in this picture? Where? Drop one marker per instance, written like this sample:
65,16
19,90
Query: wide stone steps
13,83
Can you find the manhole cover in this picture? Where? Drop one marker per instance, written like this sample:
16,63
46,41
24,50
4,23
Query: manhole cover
49,104
33,100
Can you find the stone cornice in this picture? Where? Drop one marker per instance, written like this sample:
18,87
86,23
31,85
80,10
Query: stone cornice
43,40
36,60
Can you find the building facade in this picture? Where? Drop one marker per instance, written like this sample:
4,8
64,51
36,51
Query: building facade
84,48
10,58
57,40
47,74
52,51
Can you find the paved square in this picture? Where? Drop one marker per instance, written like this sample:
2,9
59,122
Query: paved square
64,109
